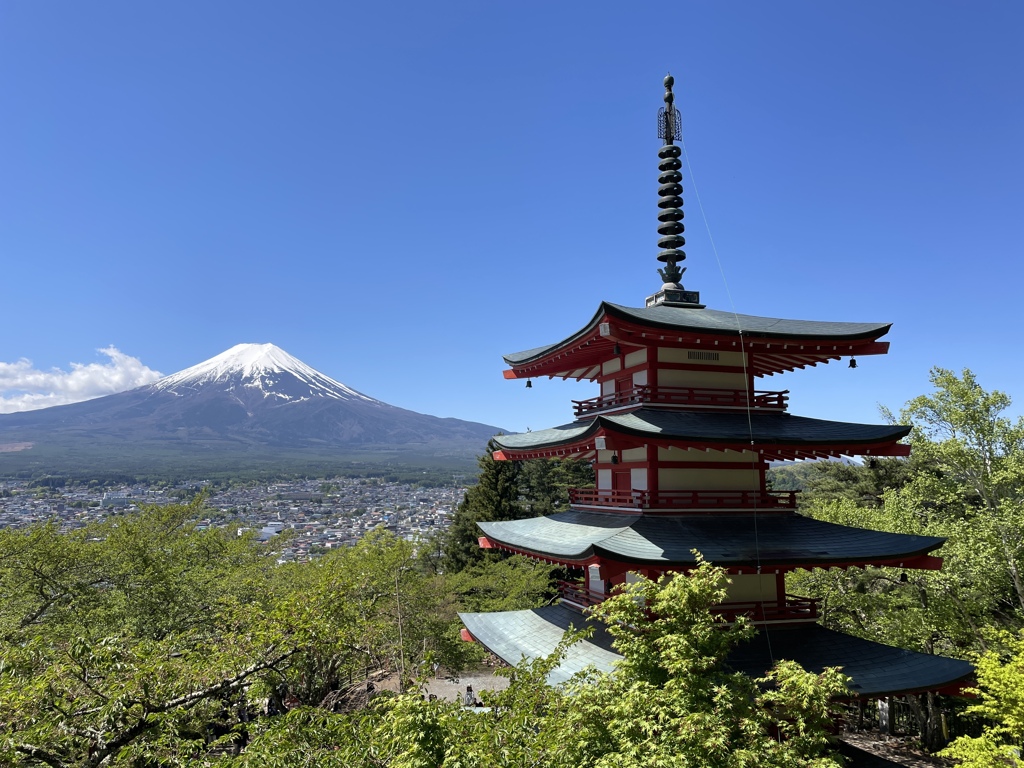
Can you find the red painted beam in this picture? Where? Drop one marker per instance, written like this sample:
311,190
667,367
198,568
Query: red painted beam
874,348
767,451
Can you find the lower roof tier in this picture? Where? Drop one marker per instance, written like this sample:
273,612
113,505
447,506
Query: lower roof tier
877,670
774,435
729,540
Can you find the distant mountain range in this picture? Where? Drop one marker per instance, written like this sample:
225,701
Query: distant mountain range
253,398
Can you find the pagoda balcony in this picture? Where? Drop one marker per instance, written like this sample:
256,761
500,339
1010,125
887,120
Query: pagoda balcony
683,501
792,608
689,397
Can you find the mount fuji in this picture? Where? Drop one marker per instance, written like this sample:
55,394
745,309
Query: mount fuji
253,398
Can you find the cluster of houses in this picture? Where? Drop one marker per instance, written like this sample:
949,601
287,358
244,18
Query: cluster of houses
319,515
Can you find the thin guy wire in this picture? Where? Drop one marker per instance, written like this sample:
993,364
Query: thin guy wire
743,360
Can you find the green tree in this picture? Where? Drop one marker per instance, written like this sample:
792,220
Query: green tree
977,456
674,702
509,584
494,497
865,483
126,635
671,704
1001,702
545,483
146,641
509,490
965,482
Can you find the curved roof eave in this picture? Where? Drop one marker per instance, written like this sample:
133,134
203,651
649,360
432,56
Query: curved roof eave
516,358
712,321
710,427
726,540
877,669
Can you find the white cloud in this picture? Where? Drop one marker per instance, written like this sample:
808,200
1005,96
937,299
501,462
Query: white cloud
24,388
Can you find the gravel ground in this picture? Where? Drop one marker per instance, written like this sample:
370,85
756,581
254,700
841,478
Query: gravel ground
482,679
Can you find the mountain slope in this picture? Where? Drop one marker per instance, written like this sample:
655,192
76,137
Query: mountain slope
251,397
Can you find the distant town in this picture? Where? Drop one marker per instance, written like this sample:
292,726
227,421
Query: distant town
320,514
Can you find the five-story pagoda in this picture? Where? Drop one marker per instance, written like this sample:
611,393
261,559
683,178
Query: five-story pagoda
681,441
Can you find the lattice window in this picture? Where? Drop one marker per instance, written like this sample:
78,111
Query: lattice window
695,355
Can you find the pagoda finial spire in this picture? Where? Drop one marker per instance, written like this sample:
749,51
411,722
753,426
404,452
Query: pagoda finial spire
670,204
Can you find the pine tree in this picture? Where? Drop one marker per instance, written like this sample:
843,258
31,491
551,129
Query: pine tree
494,497
545,483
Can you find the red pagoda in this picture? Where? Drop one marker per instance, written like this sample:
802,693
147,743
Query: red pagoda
681,441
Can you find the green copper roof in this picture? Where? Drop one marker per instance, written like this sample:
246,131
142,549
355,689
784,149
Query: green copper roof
692,320
876,669
771,540
512,635
703,426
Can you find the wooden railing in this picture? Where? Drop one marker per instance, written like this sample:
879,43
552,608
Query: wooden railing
687,396
576,593
684,500
791,608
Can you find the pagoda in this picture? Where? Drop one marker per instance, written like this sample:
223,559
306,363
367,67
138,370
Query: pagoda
681,440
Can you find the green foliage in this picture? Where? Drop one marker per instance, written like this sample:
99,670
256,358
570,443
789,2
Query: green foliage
145,641
545,483
790,477
509,490
673,701
494,497
832,480
510,584
153,465
1001,701
865,483
965,483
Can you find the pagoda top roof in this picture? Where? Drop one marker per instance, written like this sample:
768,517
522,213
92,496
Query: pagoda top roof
728,540
876,669
691,320
706,428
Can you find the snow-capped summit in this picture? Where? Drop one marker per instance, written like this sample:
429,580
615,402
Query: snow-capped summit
251,398
265,368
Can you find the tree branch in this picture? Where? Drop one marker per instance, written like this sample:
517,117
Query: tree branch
184,701
41,755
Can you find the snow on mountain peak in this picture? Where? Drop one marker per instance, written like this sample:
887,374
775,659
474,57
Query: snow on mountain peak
263,367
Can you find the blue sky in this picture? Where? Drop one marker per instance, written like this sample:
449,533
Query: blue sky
399,193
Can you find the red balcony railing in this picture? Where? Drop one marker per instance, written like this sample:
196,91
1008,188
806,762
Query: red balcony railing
576,593
684,500
790,608
685,396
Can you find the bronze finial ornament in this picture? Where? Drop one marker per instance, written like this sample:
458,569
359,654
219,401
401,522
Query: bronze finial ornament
670,214
670,209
